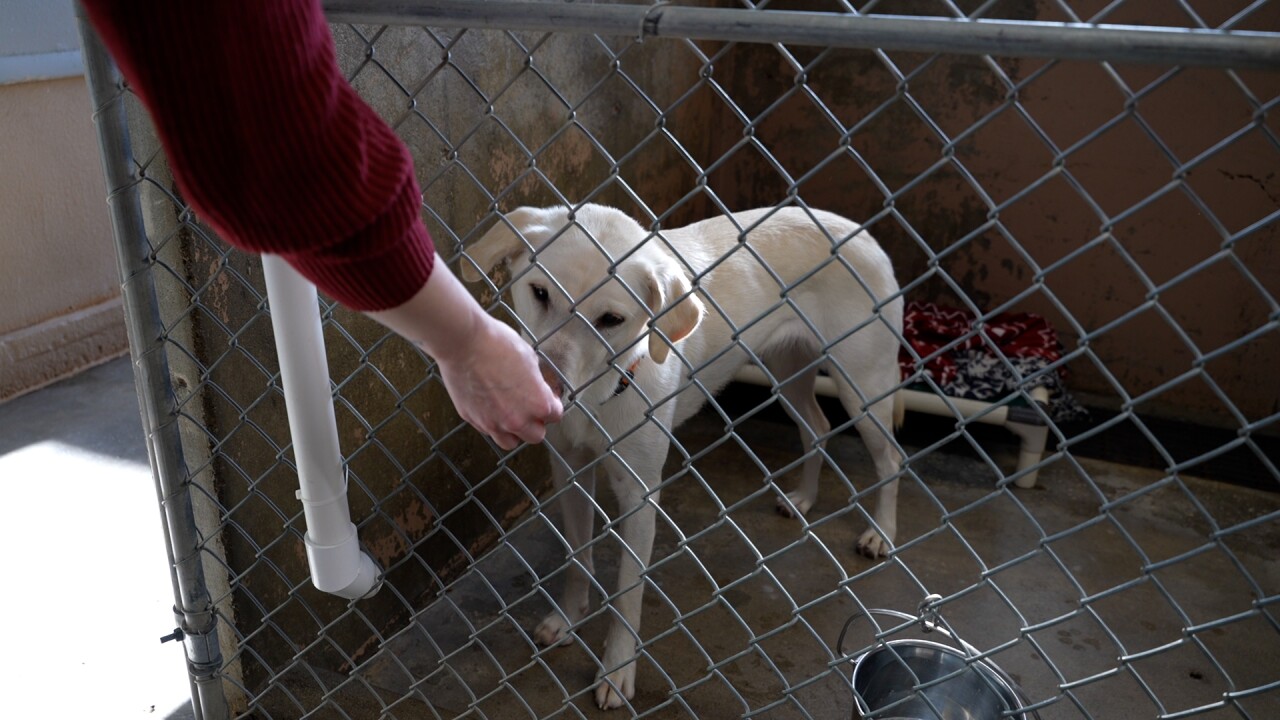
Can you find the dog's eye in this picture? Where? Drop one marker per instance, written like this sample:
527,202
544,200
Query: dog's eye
609,320
540,294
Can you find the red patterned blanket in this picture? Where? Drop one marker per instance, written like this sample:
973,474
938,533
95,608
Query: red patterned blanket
988,360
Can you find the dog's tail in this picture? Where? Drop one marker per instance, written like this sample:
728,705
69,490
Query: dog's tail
899,410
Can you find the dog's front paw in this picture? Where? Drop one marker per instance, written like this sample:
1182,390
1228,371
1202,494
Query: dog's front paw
553,630
794,502
873,545
616,688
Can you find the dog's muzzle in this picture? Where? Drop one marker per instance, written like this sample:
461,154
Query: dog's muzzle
552,377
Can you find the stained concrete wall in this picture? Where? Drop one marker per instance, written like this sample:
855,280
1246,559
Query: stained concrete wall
425,490
1048,210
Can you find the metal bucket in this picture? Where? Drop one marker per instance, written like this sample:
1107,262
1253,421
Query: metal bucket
924,680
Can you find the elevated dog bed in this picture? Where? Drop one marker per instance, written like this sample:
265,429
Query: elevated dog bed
991,373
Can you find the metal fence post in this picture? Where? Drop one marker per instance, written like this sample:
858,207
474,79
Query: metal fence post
193,609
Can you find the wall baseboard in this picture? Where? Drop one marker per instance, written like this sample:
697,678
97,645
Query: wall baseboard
35,356
40,66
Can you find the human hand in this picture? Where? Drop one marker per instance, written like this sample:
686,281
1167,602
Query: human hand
491,374
495,384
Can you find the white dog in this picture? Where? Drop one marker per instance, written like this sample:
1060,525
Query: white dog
606,302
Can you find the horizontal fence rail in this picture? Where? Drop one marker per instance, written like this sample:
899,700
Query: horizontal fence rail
1074,41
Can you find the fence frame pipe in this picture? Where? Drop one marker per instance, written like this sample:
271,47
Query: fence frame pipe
1068,41
193,608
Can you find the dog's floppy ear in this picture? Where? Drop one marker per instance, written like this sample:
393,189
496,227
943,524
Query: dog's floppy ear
501,244
667,284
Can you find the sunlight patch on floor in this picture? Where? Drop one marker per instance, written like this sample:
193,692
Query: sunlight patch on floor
88,588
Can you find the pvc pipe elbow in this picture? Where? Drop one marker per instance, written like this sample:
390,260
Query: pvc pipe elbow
342,569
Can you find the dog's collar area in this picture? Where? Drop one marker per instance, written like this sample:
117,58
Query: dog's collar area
624,382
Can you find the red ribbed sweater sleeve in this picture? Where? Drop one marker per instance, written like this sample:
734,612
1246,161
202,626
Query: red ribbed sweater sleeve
270,144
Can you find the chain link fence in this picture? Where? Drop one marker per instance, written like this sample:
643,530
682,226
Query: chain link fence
1109,167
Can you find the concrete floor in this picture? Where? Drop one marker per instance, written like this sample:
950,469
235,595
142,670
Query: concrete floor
87,592
745,606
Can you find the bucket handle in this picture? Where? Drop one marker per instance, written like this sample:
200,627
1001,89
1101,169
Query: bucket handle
928,617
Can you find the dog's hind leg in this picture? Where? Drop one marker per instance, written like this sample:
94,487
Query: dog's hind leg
577,510
802,405
876,428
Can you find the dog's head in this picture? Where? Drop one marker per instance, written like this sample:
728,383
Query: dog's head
589,289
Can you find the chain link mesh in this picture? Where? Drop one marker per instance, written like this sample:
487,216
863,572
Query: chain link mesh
1136,207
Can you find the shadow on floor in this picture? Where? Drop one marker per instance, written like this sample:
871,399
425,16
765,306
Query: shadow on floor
96,410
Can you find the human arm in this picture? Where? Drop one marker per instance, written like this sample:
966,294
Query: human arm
269,143
273,148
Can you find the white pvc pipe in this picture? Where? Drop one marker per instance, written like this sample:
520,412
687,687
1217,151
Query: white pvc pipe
333,547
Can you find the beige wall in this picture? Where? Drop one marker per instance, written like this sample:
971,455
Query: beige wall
59,282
